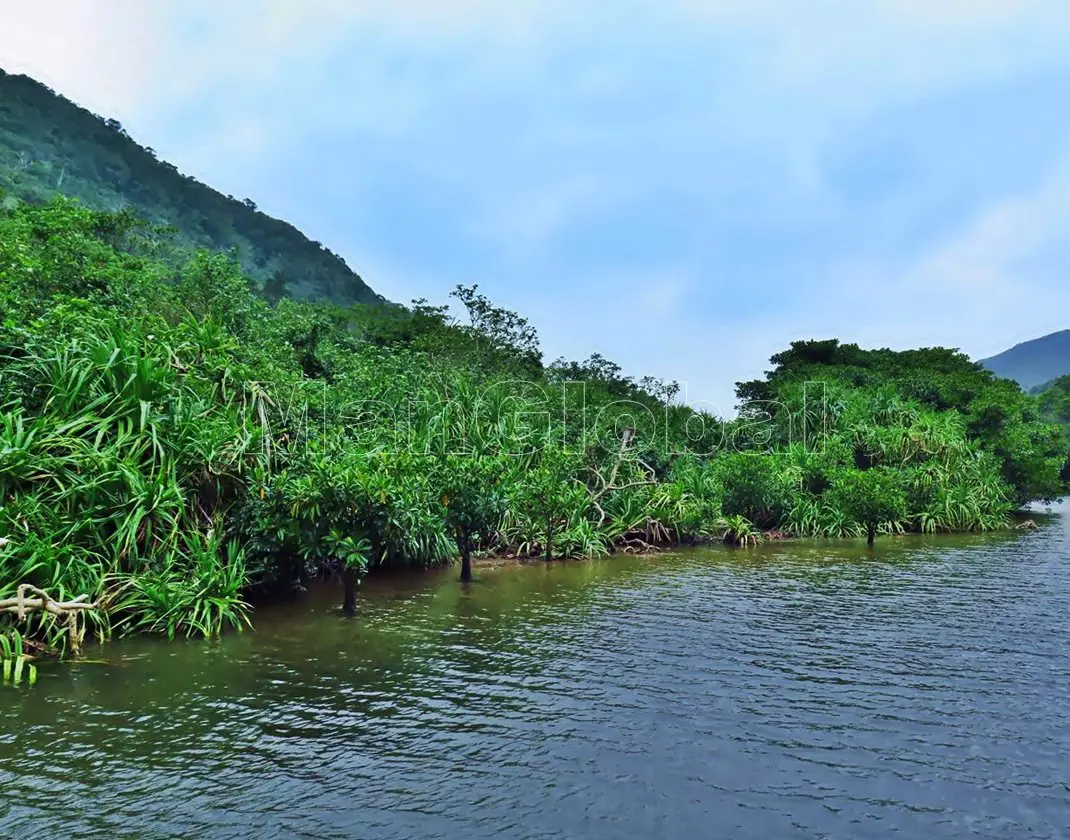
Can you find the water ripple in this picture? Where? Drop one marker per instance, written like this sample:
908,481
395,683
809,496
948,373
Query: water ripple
801,690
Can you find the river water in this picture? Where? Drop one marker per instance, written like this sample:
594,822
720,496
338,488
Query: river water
793,690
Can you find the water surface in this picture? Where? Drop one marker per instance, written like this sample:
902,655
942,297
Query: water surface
794,690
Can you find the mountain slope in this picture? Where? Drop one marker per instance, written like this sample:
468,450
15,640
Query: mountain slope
50,146
1035,362
1055,399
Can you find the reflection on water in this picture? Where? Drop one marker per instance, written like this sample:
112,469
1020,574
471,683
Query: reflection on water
795,690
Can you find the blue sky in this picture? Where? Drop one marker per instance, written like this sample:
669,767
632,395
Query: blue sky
684,186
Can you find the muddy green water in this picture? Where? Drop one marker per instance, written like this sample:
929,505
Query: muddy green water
795,690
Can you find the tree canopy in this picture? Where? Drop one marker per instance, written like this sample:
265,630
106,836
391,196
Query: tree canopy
1003,420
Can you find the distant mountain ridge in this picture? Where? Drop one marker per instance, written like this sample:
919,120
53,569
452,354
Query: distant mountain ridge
51,146
1034,363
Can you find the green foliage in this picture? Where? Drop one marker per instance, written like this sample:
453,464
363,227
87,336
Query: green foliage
874,498
738,530
472,499
1054,400
14,664
194,588
756,487
550,501
170,441
500,334
998,416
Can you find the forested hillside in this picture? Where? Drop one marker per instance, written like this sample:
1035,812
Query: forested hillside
1055,400
50,146
1034,363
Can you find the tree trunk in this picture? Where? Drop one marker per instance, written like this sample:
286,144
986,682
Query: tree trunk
871,536
625,439
377,549
465,548
349,582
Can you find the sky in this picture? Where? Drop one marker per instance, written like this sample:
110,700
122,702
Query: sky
684,186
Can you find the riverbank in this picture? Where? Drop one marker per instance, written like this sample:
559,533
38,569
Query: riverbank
172,440
332,588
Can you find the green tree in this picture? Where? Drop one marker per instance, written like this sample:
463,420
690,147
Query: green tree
472,499
504,336
552,495
873,498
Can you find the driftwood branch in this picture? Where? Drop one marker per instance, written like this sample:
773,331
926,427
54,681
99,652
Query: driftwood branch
646,482
607,486
625,439
41,601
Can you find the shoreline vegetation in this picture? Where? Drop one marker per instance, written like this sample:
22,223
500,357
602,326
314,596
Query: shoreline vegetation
173,444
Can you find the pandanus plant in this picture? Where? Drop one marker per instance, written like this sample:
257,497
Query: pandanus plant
15,664
144,405
738,530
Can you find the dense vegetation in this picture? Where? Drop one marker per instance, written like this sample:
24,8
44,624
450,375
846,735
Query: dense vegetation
171,441
1006,424
1035,362
1054,398
49,146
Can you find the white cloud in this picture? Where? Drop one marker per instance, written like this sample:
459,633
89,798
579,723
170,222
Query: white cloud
95,53
856,55
116,54
996,280
1010,260
955,14
523,225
